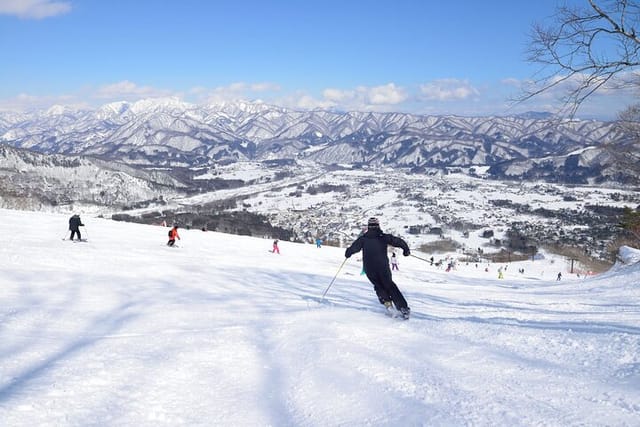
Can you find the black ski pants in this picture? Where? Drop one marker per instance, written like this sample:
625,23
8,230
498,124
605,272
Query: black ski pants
74,232
385,288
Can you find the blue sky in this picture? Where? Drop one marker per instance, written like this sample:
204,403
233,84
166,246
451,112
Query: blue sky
423,56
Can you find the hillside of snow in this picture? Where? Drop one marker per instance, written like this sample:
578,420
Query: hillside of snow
123,330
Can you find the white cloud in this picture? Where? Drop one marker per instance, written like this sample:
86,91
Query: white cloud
511,81
445,96
337,95
388,94
243,87
303,101
448,90
382,98
34,9
365,98
87,97
622,85
264,87
127,91
25,101
233,92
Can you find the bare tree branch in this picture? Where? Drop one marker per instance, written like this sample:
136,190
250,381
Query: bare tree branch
584,49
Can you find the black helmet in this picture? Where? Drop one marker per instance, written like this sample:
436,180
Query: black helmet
373,223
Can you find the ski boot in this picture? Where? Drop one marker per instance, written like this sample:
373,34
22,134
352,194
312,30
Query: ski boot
389,307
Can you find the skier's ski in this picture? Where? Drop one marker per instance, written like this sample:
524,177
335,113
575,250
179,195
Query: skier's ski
319,300
395,314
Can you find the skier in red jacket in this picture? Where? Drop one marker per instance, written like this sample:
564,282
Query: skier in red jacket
173,235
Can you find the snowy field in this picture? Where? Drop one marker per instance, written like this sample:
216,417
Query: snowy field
122,330
302,201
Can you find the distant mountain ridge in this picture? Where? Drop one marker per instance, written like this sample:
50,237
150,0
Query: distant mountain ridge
171,133
36,181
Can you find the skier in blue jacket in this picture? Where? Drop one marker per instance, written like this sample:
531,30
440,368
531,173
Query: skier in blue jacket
373,244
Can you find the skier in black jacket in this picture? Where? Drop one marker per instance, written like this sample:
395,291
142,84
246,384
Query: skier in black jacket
373,244
74,226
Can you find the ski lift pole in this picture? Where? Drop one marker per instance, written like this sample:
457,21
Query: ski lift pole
334,278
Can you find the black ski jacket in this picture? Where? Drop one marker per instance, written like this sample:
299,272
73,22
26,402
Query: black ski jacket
75,222
373,244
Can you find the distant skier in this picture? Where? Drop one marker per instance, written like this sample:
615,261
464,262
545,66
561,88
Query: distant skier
318,242
559,277
173,235
394,261
74,226
276,249
373,245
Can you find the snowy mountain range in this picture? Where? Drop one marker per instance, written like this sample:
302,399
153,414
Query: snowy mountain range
316,173
171,133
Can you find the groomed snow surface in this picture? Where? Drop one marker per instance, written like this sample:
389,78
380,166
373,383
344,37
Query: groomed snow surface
122,330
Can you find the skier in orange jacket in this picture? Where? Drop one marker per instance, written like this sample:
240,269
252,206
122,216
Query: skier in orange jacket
173,235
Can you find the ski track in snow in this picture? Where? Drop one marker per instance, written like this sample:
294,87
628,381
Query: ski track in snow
122,330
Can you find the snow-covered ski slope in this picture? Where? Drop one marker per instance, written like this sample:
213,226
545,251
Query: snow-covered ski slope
124,331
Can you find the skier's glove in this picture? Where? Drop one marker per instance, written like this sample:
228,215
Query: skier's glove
406,252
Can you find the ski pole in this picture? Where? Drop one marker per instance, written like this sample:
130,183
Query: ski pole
86,233
421,259
334,278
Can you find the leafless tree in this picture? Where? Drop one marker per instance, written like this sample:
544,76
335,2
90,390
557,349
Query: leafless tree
586,48
629,121
627,151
